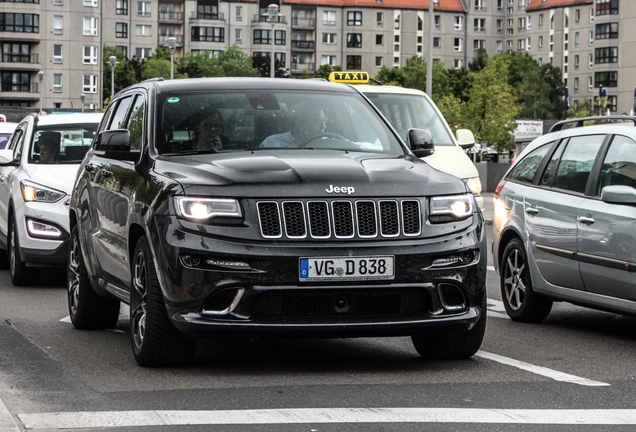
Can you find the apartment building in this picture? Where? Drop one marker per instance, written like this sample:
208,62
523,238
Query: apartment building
64,38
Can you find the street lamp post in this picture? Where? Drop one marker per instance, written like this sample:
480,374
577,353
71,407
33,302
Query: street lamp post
172,45
40,78
83,98
112,60
272,15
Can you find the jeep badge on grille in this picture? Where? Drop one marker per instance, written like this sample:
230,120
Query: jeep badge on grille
340,189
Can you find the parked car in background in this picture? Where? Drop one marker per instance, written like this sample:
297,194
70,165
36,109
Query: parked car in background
37,170
6,129
565,220
410,108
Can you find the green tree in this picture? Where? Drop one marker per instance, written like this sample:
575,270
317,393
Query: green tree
453,109
532,93
325,70
492,106
584,109
479,61
230,63
263,65
159,67
391,76
459,82
124,73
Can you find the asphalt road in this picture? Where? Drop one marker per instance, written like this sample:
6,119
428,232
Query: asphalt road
572,372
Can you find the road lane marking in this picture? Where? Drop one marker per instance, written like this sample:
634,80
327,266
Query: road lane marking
491,268
7,424
540,370
105,419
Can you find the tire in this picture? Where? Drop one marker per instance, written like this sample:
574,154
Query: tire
453,346
17,268
521,302
155,340
4,260
87,309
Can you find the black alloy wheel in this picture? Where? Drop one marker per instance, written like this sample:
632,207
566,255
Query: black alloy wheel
155,340
87,309
521,302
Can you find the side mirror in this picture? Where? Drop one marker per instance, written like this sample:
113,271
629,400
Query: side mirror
115,144
421,142
619,195
6,158
465,138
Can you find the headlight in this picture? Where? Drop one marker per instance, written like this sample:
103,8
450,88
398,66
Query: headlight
34,192
474,184
207,208
451,208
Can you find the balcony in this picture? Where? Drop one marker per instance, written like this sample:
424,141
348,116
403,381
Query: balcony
302,67
28,62
306,23
303,46
208,16
262,18
170,17
28,91
163,39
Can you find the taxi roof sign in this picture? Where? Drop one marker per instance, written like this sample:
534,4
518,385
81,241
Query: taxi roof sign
349,77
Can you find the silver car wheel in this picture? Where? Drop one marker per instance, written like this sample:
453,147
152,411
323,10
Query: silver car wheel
74,276
514,279
138,315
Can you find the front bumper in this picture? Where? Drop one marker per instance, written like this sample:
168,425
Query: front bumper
265,294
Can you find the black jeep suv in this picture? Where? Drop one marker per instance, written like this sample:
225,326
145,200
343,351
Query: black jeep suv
306,216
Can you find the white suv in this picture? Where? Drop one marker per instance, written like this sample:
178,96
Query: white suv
37,171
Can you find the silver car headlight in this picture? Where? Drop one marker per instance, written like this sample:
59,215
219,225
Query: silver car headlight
450,208
208,208
474,184
34,192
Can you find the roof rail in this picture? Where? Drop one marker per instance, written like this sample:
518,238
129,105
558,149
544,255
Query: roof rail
580,122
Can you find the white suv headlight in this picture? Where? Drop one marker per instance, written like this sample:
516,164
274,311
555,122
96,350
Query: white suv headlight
451,208
35,192
207,208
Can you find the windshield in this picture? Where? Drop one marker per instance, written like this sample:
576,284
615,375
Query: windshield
251,120
61,144
412,111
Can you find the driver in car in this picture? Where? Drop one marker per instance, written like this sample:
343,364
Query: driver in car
307,120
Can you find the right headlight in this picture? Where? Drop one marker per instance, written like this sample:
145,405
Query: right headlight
208,208
34,192
450,208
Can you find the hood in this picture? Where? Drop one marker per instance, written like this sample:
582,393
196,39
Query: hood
60,177
452,160
313,173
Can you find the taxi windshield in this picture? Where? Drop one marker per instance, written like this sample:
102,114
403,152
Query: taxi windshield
405,111
238,120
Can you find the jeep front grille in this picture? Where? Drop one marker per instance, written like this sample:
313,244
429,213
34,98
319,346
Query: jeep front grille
341,219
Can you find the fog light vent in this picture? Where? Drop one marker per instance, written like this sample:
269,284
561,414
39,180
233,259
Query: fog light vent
223,302
452,297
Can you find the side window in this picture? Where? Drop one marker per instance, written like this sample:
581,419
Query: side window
576,162
119,117
17,141
527,168
619,166
136,124
550,170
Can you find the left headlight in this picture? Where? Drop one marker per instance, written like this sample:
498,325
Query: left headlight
451,208
474,184
34,192
207,208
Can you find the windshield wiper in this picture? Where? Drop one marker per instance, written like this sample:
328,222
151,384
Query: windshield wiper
190,152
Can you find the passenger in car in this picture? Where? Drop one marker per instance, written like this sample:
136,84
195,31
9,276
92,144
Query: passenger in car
209,132
49,145
307,120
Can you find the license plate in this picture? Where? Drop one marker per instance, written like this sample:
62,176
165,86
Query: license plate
360,268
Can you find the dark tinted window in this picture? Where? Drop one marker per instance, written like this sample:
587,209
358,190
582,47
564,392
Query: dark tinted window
526,169
576,162
550,170
119,118
136,124
619,166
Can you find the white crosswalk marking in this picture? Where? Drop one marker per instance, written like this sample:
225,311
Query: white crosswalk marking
7,424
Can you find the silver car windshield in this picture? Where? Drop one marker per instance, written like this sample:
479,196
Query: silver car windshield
241,120
405,111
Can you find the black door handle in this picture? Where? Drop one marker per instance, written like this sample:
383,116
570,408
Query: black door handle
106,173
89,167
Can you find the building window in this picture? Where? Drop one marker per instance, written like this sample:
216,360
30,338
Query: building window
58,2
438,23
396,61
458,45
606,79
397,23
121,7
419,48
143,52
480,4
590,61
576,61
121,30
354,62
607,31
529,23
90,55
552,22
522,23
540,20
528,44
499,47
122,49
90,26
379,61
262,37
238,35
328,60
479,43
19,22
329,18
437,42
90,84
606,55
207,11
480,24
238,13
90,3
354,40
57,83
57,53
606,7
458,63
396,47
577,16
540,43
143,30
329,38
591,37
577,39
590,84
521,45
208,34
16,52
379,19
499,26
576,84
592,14
58,24
459,22
15,82
354,18
143,8
379,39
